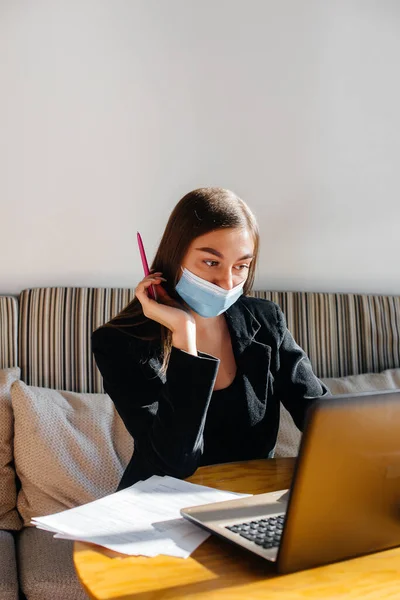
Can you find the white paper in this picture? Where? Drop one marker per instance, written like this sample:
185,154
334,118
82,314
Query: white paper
143,519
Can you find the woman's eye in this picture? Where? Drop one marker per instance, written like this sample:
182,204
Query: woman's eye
215,263
211,263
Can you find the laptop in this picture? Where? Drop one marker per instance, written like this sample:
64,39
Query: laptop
344,499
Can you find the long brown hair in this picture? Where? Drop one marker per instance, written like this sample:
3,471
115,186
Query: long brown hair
199,212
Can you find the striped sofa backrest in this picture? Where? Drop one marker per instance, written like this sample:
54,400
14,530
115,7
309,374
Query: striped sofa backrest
343,334
8,332
55,325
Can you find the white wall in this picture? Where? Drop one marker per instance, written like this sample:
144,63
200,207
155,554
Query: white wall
111,110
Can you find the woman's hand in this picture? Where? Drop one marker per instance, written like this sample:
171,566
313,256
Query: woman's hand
168,313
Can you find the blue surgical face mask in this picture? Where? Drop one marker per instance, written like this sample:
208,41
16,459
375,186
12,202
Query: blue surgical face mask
205,298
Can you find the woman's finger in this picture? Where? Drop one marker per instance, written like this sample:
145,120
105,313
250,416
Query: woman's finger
140,290
150,281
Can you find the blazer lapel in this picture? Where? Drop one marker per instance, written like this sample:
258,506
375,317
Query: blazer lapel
252,357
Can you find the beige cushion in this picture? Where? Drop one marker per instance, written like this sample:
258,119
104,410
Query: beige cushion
289,436
387,380
69,448
288,440
9,518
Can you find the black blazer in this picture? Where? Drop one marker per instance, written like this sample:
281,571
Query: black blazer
166,415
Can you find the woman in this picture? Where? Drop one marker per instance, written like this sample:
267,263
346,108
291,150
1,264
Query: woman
198,374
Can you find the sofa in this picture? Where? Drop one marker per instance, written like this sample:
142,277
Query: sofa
63,444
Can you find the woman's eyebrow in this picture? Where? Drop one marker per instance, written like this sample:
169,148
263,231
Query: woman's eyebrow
216,253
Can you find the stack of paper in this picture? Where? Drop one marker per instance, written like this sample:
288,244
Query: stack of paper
143,519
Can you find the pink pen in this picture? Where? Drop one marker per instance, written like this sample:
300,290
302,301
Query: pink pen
151,290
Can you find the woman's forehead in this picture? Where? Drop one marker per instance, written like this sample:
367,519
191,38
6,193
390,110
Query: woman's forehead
225,241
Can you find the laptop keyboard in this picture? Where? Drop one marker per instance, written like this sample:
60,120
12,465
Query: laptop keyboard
263,532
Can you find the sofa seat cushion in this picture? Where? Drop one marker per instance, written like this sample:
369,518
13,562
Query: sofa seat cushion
8,567
9,517
289,436
46,569
69,448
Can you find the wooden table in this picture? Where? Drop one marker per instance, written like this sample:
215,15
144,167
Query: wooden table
218,569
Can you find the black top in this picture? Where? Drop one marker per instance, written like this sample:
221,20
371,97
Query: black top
223,426
178,423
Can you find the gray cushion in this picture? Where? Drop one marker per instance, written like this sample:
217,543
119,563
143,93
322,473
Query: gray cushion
46,570
8,567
